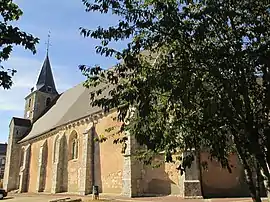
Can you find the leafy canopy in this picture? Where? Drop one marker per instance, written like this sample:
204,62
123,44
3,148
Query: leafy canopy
9,36
191,74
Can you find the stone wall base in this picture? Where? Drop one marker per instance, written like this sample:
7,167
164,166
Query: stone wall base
82,193
192,189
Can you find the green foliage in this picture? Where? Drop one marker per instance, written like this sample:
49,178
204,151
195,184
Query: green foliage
191,75
9,36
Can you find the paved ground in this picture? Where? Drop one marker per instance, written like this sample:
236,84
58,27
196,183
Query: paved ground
30,198
113,198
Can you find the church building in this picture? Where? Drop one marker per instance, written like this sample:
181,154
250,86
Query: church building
52,149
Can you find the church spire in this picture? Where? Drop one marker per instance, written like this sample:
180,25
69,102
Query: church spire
45,82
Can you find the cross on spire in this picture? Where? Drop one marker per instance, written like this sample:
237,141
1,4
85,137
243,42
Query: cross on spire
48,42
45,82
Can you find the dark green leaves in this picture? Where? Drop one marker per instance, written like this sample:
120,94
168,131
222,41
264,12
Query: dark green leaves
190,74
9,11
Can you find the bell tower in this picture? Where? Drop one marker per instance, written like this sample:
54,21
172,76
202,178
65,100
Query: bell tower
43,94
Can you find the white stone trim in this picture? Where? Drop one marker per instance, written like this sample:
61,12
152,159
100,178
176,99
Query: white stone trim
24,172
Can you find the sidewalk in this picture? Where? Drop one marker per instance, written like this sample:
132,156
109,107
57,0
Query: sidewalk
174,199
118,198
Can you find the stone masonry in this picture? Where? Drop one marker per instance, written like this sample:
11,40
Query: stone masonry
192,183
85,180
17,129
43,155
57,178
24,170
132,175
48,158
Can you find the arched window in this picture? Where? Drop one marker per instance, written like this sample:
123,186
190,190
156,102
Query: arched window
73,145
75,149
48,101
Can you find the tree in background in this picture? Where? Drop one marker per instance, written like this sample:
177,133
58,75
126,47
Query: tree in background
9,36
197,74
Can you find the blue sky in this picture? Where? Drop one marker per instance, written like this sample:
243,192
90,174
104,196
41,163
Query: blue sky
69,49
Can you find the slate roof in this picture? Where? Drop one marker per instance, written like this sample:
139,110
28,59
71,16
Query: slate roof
45,78
21,122
71,105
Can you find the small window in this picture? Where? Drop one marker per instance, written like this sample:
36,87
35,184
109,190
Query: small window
29,102
49,88
48,101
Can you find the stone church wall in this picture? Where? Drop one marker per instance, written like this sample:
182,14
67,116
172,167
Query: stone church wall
13,157
218,182
52,170
163,180
73,165
34,165
146,180
108,158
73,175
215,180
49,174
106,166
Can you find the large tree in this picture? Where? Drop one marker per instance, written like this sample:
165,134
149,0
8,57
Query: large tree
9,36
197,74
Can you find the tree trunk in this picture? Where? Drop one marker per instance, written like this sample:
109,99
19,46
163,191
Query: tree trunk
262,162
258,181
250,182
248,173
266,183
265,173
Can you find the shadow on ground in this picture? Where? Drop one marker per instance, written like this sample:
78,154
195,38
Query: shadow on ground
7,198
